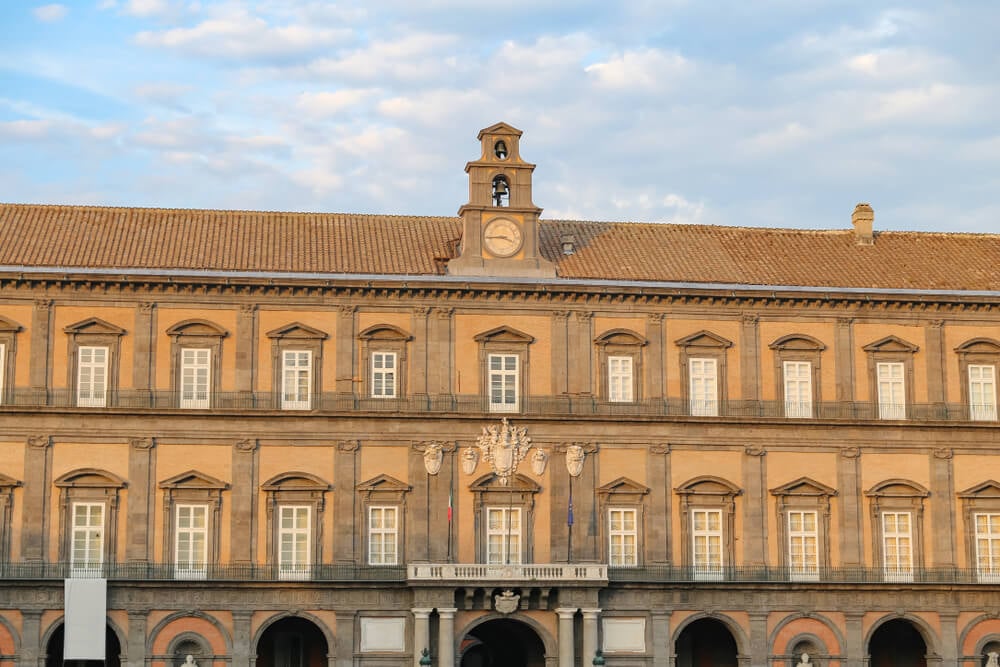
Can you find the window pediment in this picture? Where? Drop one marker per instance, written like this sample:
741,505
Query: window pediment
979,346
192,479
708,485
92,478
296,481
383,483
8,482
804,486
9,326
798,343
504,334
384,332
197,327
890,344
988,489
620,337
623,489
297,331
94,326
704,339
897,488
491,482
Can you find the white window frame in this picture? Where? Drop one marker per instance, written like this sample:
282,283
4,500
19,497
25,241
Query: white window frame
982,392
798,389
897,547
503,382
296,379
295,561
703,386
195,393
190,562
384,374
383,539
987,527
706,544
92,376
620,379
803,545
86,542
503,538
891,380
623,537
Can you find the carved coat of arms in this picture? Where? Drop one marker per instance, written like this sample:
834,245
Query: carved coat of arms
504,446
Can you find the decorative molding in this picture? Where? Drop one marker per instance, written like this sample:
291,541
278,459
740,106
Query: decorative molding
43,304
850,452
575,457
750,318
146,307
754,450
39,441
538,460
470,459
655,318
660,448
503,447
422,311
246,444
943,453
348,445
142,443
347,309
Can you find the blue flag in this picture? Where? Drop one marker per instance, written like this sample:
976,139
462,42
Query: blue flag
569,513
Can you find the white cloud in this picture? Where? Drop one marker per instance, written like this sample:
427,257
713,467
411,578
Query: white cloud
331,103
50,13
104,5
164,93
650,69
413,58
146,7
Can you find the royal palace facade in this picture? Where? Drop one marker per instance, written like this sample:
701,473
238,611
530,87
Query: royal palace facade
308,440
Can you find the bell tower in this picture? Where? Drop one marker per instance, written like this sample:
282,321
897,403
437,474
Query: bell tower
500,222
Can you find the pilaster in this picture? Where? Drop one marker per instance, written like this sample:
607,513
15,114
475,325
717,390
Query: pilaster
417,373
566,641
843,358
346,349
936,356
658,535
421,633
241,638
949,638
440,355
942,501
41,345
590,617
136,649
750,357
345,469
30,654
246,347
661,638
142,481
560,353
144,358
581,341
446,636
244,501
653,363
755,507
345,638
560,531
35,513
418,520
438,488
758,638
855,640
849,485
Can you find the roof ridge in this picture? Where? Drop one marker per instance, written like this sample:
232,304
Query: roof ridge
103,207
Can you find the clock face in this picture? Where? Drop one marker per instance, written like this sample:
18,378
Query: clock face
502,237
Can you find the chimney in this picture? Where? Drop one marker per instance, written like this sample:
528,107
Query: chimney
862,219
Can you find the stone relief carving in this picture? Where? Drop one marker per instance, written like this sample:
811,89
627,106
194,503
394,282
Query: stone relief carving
506,602
754,450
39,441
246,444
660,448
804,660
575,456
538,460
470,459
348,445
142,443
850,452
991,659
433,456
943,453
504,446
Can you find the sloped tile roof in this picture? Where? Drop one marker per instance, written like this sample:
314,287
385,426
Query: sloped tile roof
136,238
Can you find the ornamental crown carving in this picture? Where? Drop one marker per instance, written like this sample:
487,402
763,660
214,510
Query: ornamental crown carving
503,447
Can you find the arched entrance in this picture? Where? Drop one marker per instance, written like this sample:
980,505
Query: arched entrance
292,642
54,649
706,643
502,642
897,643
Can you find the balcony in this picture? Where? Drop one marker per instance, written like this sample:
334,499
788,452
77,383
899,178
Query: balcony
558,573
577,405
210,573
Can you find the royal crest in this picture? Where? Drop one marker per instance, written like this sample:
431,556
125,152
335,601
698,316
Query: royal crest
503,448
506,602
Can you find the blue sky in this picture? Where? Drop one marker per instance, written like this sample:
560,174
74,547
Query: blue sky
780,113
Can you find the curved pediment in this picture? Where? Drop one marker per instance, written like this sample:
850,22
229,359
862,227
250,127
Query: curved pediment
192,479
491,482
798,343
93,478
890,344
383,483
94,326
9,326
620,337
8,482
804,486
384,332
988,489
898,488
704,339
504,334
623,486
197,327
708,485
979,346
297,331
296,481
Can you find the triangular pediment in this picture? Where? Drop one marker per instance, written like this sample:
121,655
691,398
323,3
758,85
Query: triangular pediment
7,482
620,337
500,128
988,489
383,483
297,331
94,326
490,482
979,346
804,486
899,488
296,481
704,338
90,478
708,485
384,332
623,485
890,344
9,326
504,334
798,342
197,327
192,479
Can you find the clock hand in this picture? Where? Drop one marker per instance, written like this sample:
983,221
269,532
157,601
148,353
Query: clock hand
505,238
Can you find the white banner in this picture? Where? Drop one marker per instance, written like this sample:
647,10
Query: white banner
86,619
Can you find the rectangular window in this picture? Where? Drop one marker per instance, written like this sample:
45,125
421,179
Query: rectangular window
897,546
620,379
296,374
383,375
503,382
798,389
706,544
622,536
982,393
87,540
293,541
92,377
191,553
704,387
382,533
988,547
196,377
891,390
503,535
803,549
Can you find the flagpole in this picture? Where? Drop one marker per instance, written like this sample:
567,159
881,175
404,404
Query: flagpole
569,519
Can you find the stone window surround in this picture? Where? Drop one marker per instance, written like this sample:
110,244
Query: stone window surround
192,488
624,493
619,343
981,498
985,351
296,336
505,340
518,494
897,495
384,338
383,491
804,494
91,485
296,488
708,493
887,350
704,345
196,333
798,347
7,486
8,338
93,332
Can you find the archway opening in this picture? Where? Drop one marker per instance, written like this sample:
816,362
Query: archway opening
54,650
706,643
292,642
897,643
503,642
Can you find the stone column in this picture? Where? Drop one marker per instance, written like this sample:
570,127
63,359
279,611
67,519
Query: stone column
418,517
589,635
566,658
559,480
848,482
345,347
440,356
141,492
843,358
417,373
243,521
30,654
658,541
144,364
344,481
581,355
421,633
661,638
241,638
936,355
758,638
37,482
750,358
755,507
246,348
345,638
655,369
137,638
942,503
855,640
560,353
446,637
41,341
949,638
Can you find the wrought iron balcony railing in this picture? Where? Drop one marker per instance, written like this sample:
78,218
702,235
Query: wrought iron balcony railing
219,573
778,574
572,405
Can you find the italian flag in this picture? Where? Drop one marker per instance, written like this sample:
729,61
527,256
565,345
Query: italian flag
451,491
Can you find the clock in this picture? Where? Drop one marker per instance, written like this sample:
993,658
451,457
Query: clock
502,237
